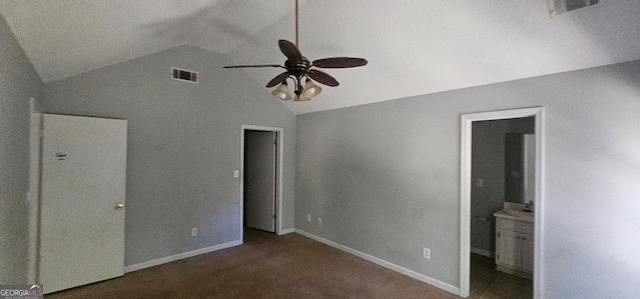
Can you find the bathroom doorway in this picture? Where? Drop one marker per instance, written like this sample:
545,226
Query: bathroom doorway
497,175
487,184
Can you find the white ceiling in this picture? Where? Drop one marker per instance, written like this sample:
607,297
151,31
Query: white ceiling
414,47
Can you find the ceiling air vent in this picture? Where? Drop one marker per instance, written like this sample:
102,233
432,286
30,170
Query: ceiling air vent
558,7
184,75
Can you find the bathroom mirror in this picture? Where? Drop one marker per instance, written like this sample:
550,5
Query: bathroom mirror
519,169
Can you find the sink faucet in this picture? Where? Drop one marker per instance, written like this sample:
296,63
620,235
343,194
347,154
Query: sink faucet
527,206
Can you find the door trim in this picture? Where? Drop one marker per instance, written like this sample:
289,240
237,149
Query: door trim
279,155
465,191
33,194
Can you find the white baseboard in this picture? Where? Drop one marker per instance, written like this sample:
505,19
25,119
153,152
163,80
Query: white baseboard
180,256
287,231
484,252
421,277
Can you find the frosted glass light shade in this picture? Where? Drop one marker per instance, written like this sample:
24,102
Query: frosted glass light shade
310,91
282,92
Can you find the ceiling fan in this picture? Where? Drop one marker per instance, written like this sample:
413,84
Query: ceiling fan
297,68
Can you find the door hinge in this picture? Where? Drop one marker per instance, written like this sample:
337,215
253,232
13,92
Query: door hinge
498,235
498,256
274,216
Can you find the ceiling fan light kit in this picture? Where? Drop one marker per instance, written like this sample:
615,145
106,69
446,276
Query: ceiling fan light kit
282,92
310,91
298,68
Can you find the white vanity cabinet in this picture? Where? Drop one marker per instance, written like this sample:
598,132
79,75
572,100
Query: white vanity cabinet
514,245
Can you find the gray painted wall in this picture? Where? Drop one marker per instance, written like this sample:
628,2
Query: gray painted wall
385,177
488,164
18,82
184,143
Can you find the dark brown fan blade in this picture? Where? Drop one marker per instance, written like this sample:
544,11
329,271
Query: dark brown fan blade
323,78
339,62
278,79
254,65
289,49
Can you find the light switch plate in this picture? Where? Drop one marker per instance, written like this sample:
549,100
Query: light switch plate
236,174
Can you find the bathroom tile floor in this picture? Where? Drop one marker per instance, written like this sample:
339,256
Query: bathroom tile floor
487,282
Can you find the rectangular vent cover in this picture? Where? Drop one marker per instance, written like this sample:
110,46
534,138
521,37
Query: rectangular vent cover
558,7
184,75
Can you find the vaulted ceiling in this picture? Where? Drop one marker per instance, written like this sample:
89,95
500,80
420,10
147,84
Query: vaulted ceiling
413,46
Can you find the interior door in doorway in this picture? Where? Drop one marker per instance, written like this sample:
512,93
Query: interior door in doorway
260,179
82,200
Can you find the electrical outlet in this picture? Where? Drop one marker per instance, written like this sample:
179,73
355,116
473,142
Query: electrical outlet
309,217
194,231
236,174
426,253
319,221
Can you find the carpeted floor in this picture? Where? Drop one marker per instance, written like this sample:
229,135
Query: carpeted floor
289,266
266,266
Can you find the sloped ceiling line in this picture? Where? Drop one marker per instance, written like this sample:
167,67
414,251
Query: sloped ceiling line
413,47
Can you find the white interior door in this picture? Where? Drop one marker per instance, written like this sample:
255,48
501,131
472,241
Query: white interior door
83,182
260,179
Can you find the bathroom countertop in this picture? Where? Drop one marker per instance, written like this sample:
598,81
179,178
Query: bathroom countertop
508,214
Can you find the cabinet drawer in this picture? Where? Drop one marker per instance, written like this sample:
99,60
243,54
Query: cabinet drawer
515,225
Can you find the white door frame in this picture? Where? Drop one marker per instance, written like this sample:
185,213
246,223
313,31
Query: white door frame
465,190
33,194
279,155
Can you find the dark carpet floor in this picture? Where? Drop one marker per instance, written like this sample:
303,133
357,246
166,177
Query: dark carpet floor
289,266
265,266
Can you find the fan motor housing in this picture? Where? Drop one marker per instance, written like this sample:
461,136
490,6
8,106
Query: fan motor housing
297,67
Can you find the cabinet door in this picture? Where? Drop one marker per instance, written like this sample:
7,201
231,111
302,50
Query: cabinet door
507,248
526,250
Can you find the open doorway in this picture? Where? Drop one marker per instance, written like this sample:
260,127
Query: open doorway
498,261
261,173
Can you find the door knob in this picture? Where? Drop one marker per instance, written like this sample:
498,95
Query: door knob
120,206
